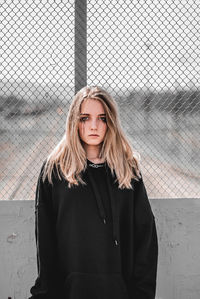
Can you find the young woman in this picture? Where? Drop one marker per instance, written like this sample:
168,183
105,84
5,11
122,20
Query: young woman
95,230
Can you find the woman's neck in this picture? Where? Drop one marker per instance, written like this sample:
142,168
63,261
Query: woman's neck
92,153
96,160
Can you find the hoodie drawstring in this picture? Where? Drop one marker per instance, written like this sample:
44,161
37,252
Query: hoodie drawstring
115,217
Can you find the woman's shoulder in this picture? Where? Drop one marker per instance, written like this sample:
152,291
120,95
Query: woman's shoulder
137,180
53,172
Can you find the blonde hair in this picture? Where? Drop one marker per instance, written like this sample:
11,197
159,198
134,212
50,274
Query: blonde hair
70,156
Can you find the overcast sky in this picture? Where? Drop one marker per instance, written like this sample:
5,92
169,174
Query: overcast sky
131,44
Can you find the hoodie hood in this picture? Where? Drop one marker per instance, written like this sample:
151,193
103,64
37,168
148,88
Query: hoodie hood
101,209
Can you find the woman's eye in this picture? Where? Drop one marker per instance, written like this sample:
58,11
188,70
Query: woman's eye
83,118
103,118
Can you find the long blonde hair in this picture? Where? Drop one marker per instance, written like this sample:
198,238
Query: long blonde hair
70,156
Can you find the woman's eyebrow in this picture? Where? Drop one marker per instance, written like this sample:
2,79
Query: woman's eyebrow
89,114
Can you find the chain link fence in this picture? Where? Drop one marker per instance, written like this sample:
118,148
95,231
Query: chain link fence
145,53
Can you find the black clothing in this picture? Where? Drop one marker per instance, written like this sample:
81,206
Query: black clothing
94,241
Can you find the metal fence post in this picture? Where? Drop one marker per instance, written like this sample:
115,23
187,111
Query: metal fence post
80,44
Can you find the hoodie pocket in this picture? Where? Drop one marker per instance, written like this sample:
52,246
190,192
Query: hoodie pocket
79,285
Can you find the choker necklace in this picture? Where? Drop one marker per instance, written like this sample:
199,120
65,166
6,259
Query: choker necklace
96,165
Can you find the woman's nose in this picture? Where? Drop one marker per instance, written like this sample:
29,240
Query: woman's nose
94,124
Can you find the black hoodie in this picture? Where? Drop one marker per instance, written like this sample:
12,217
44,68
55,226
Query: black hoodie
94,241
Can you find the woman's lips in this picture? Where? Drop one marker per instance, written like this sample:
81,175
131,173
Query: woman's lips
94,135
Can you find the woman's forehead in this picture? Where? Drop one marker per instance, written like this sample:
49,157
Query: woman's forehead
91,105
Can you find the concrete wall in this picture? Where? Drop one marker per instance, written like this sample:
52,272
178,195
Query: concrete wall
178,226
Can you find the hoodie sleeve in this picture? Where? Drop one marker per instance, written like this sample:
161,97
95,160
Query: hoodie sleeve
45,241
143,282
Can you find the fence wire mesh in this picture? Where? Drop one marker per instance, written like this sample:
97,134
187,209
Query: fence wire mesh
145,53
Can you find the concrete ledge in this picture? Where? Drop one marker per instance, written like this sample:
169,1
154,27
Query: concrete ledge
178,226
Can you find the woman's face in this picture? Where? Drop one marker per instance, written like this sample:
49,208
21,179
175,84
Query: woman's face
92,121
